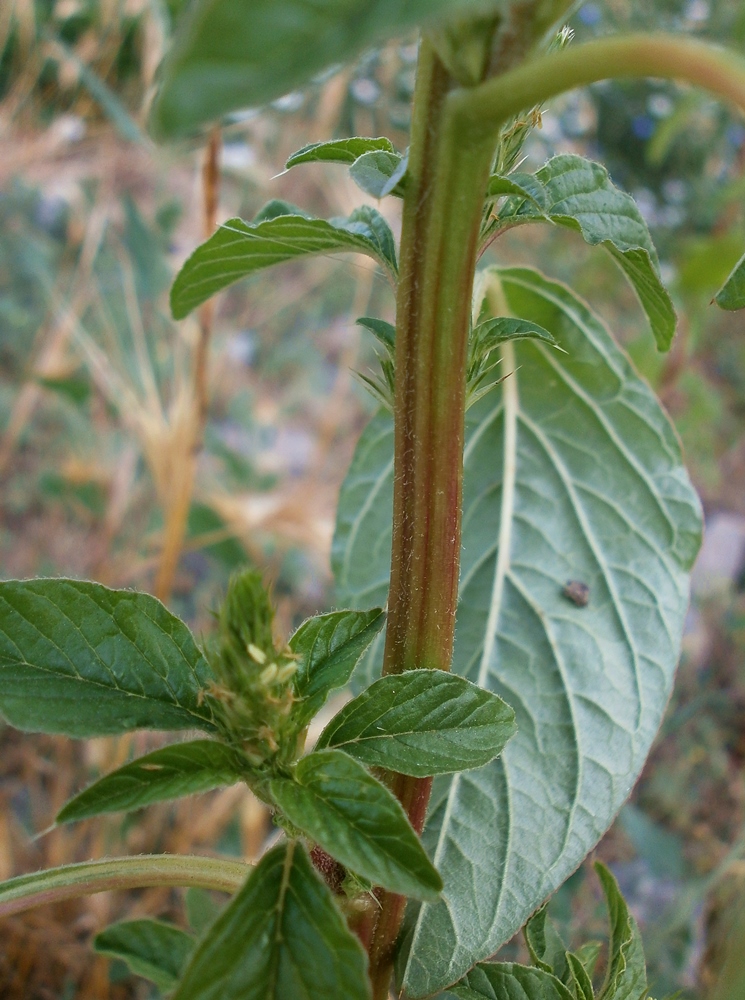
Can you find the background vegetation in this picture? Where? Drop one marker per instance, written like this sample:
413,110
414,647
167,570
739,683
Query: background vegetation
100,416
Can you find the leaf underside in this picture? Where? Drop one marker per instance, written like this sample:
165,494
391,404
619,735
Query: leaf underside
150,948
228,55
82,660
601,496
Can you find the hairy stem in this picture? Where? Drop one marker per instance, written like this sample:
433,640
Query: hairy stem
442,214
70,881
482,110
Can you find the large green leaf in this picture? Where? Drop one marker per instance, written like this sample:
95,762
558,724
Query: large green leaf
229,54
328,647
423,722
572,191
281,937
509,981
732,294
150,948
82,660
240,248
574,466
334,801
168,773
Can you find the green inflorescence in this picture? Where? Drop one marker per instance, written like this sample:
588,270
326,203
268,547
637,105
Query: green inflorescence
252,694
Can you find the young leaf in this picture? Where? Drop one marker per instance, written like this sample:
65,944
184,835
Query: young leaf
521,185
339,151
240,248
578,193
422,722
545,946
334,801
579,978
584,430
626,978
168,773
150,948
385,332
379,173
732,294
281,936
24,892
500,980
493,332
226,56
329,647
82,660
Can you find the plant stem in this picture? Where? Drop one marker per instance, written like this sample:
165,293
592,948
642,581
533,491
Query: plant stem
483,109
442,214
70,881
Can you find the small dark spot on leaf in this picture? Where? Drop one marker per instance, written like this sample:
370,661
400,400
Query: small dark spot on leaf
577,592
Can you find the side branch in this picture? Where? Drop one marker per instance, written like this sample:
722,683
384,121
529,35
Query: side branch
70,881
482,110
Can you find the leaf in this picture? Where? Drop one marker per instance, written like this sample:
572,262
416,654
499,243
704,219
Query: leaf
523,185
329,647
82,660
581,983
168,773
339,150
732,294
510,981
379,173
240,248
281,936
545,946
599,495
226,56
334,801
626,978
24,892
385,332
579,194
150,948
493,332
423,722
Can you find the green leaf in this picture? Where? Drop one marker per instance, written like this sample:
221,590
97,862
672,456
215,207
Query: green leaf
281,936
732,294
150,948
168,773
240,248
71,881
522,185
329,647
379,173
339,150
385,332
82,660
493,332
626,978
422,722
334,801
227,55
599,495
510,981
545,946
580,981
579,194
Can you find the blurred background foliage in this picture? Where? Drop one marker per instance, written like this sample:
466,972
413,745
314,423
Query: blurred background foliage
103,445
